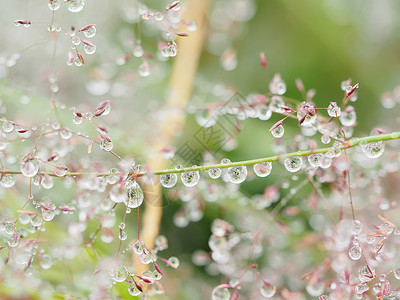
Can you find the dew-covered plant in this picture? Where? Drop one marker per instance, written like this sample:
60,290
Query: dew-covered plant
81,199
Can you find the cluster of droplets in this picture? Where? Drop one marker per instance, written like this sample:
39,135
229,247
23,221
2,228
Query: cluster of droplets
120,273
74,56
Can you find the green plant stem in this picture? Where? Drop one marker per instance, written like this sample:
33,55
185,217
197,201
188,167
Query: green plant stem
346,145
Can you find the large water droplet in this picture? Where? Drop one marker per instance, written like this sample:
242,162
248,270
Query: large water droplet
237,174
348,116
220,294
75,5
262,169
54,4
374,149
89,49
277,86
7,180
334,110
190,178
168,180
293,164
90,32
355,252
214,173
133,290
278,131
174,262
106,145
138,247
29,167
267,290
135,196
7,126
119,274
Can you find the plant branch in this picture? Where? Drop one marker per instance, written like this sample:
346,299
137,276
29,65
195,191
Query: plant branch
346,145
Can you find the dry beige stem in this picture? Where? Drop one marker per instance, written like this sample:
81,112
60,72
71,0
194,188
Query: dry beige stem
183,73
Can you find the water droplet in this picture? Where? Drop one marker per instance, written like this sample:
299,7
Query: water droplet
278,132
265,114
48,215
133,290
146,258
293,164
355,252
314,159
159,16
138,247
168,180
315,289
77,62
164,51
54,4
144,69
396,273
12,242
46,262
190,178
8,126
106,145
75,5
24,219
374,149
90,32
214,173
121,225
122,235
366,273
135,196
334,110
174,262
65,134
36,221
119,273
262,169
237,174
89,49
60,171
267,290
220,294
138,51
325,161
29,167
7,180
357,227
161,242
172,50
277,86
75,40
348,116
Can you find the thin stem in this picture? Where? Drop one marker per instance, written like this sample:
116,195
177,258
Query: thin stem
346,145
